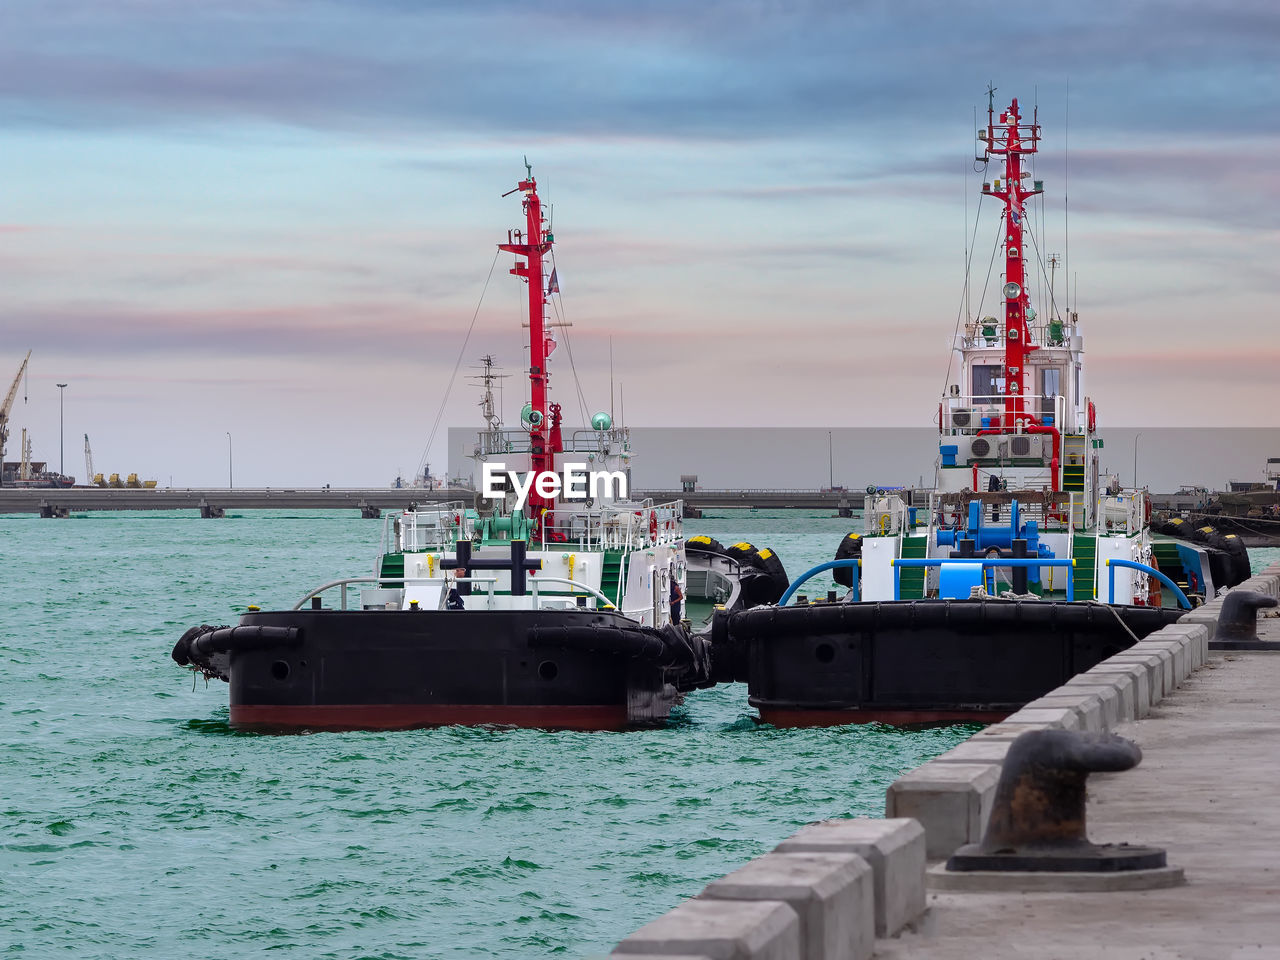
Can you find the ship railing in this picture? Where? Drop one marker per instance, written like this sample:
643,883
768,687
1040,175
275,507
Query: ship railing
1041,334
342,584
429,527
1123,512
1053,510
510,440
607,442
885,514
615,527
636,525
966,415
541,600
1113,563
988,565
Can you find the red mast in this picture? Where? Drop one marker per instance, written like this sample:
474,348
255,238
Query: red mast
1013,138
533,245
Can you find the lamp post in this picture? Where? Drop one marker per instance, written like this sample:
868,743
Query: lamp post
1135,459
230,484
62,393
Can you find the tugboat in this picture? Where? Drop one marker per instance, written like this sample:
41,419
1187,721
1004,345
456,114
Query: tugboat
1026,566
550,600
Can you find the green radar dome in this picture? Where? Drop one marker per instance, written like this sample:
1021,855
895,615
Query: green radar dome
601,421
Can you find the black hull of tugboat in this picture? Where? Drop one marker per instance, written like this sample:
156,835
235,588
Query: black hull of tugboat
917,661
373,669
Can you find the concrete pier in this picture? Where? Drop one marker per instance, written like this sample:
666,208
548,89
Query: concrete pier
1208,723
1205,791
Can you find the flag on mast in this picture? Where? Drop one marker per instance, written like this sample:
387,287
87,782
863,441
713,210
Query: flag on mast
553,285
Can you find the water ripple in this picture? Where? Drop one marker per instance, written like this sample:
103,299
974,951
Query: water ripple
127,793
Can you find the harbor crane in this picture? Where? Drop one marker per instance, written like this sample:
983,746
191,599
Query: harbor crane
8,405
88,461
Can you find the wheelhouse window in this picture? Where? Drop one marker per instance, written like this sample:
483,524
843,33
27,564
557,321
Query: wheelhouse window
1050,387
987,380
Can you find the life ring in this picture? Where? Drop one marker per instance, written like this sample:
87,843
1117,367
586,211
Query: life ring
653,526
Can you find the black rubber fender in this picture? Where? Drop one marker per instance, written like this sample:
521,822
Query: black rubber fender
214,640
182,649
775,582
1241,568
850,547
827,619
704,544
666,646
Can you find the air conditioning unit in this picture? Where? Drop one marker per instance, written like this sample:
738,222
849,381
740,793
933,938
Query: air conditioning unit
963,417
981,448
1025,446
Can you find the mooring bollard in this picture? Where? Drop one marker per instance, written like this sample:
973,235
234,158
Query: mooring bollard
1035,836
1238,622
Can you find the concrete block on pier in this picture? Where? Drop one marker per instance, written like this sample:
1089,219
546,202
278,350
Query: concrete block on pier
951,800
1193,636
990,750
1056,718
1116,691
833,894
1179,660
1009,730
1132,677
895,851
1156,655
1147,670
1262,584
1204,617
719,930
1087,708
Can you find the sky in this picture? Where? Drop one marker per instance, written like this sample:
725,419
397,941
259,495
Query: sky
252,236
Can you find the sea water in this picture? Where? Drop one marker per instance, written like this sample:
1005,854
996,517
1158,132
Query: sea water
134,822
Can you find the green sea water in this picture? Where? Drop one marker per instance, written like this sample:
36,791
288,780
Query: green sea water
135,823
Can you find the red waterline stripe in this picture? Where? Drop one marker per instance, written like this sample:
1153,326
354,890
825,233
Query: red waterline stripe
400,716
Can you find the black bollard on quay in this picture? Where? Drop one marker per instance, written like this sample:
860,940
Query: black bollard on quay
1036,837
1237,627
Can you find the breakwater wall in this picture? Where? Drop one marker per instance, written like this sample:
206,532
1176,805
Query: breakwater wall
215,501
852,889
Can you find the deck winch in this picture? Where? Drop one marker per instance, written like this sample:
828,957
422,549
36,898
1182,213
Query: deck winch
1000,539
